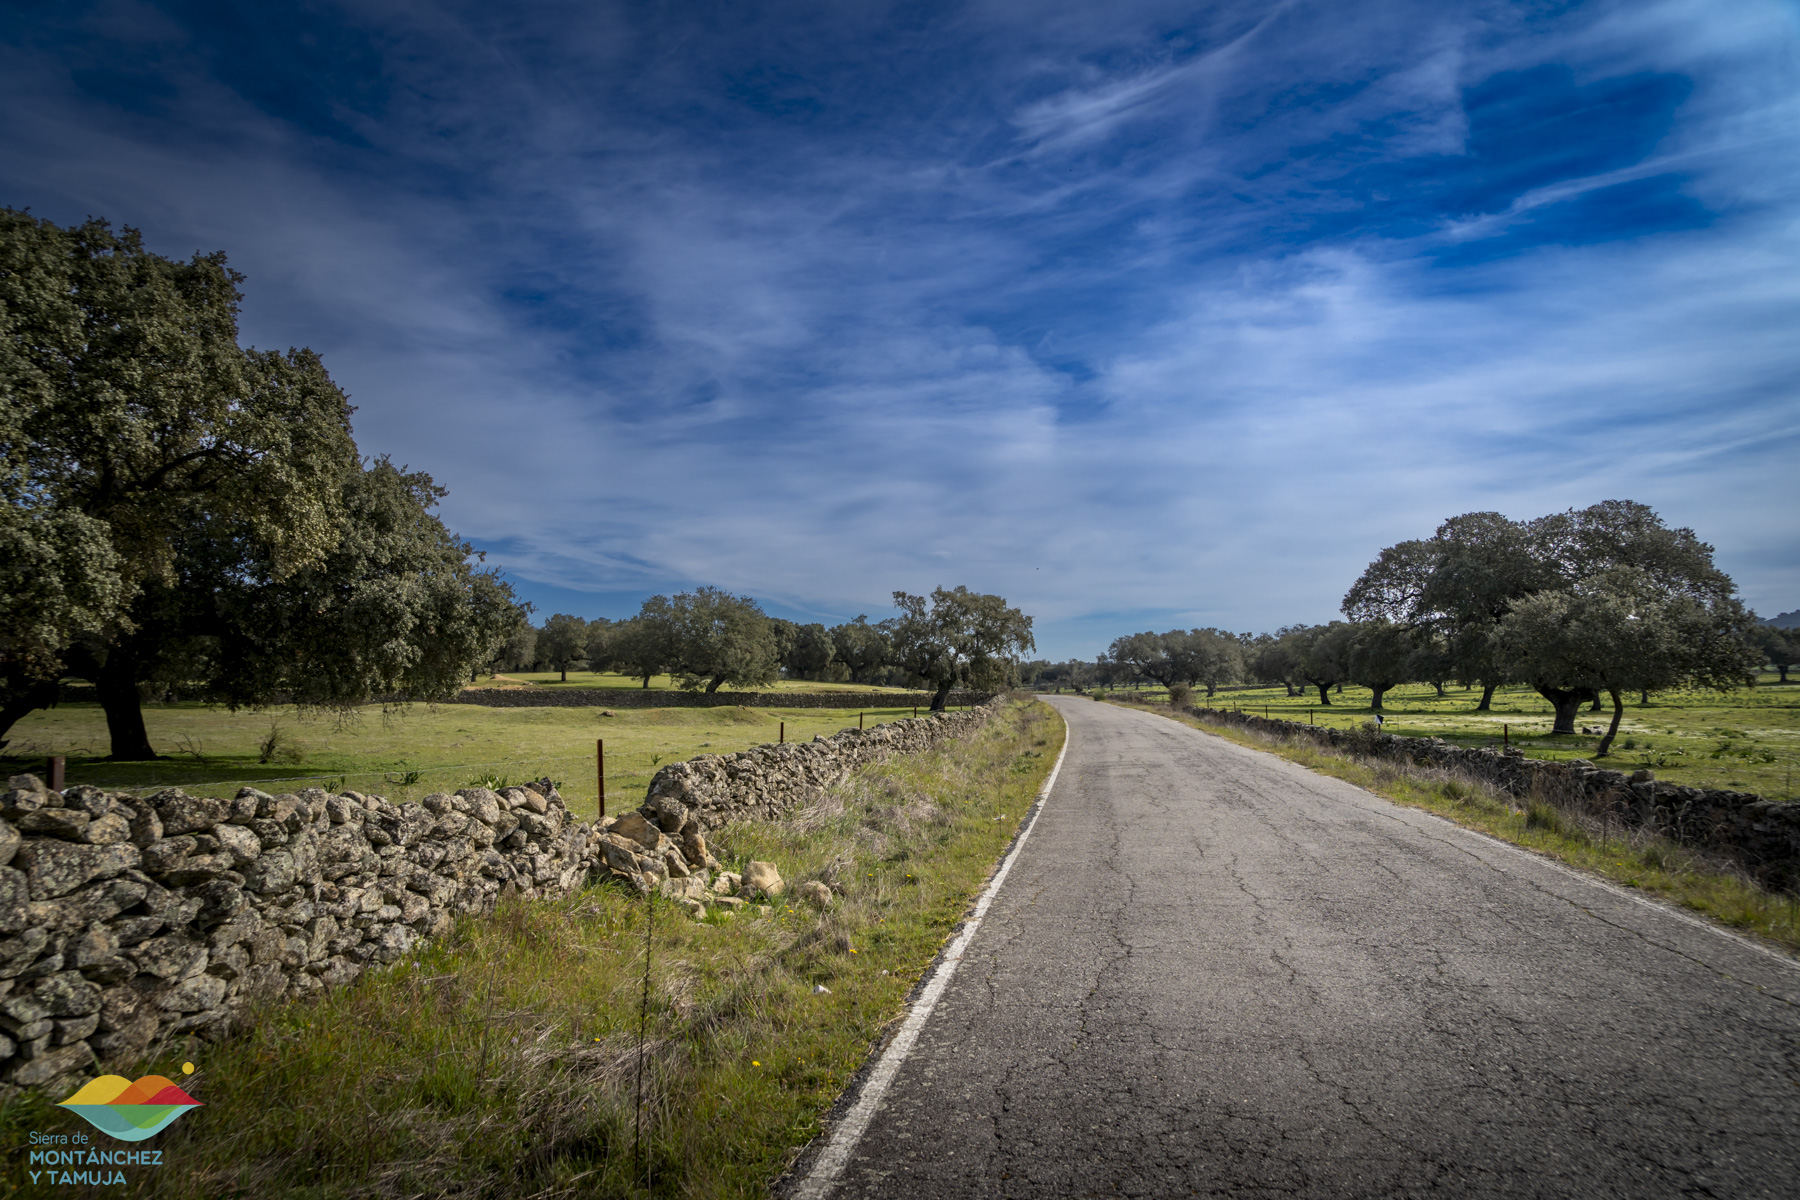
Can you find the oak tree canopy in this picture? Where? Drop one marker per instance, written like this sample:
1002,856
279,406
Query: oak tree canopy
180,513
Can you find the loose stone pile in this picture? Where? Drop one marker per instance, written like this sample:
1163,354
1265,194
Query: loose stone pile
1762,835
126,919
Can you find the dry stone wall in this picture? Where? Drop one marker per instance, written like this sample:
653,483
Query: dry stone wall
128,919
1761,835
546,697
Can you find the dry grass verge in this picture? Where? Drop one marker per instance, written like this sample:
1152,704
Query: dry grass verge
504,1061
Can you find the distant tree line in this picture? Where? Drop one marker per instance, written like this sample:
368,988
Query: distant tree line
708,638
1580,605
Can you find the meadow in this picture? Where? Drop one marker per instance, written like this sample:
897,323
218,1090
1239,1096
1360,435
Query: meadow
528,1053
406,753
1747,740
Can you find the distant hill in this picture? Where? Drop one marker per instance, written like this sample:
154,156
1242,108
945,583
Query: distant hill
1787,620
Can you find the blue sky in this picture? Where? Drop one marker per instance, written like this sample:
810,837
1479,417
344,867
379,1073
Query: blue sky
1139,314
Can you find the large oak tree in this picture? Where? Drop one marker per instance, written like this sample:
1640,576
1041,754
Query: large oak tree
1381,655
1780,648
1622,629
863,648
960,637
176,510
706,638
1463,583
563,642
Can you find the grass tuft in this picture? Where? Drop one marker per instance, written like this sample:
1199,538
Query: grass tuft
1542,816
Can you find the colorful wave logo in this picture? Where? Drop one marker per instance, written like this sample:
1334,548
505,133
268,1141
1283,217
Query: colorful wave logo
130,1111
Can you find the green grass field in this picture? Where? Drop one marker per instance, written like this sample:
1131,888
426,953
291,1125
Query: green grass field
407,754
503,1061
1747,740
611,682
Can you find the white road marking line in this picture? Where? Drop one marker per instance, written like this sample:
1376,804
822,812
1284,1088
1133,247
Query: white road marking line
836,1155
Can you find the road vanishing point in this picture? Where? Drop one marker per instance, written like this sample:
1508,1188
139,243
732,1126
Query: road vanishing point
1212,972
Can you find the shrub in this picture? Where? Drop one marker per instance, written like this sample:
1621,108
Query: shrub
278,747
1179,695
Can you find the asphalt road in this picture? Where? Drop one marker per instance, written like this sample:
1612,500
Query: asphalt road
1212,972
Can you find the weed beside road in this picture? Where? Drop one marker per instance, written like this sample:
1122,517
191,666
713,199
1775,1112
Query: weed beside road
503,1061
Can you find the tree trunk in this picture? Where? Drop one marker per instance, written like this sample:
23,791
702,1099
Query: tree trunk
1644,699
31,698
1211,691
646,681
1782,667
1376,693
714,685
1487,698
1595,707
116,683
565,674
1612,730
940,698
1440,690
1324,693
1567,702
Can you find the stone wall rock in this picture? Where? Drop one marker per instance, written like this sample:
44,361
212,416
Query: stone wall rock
126,919
1763,836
